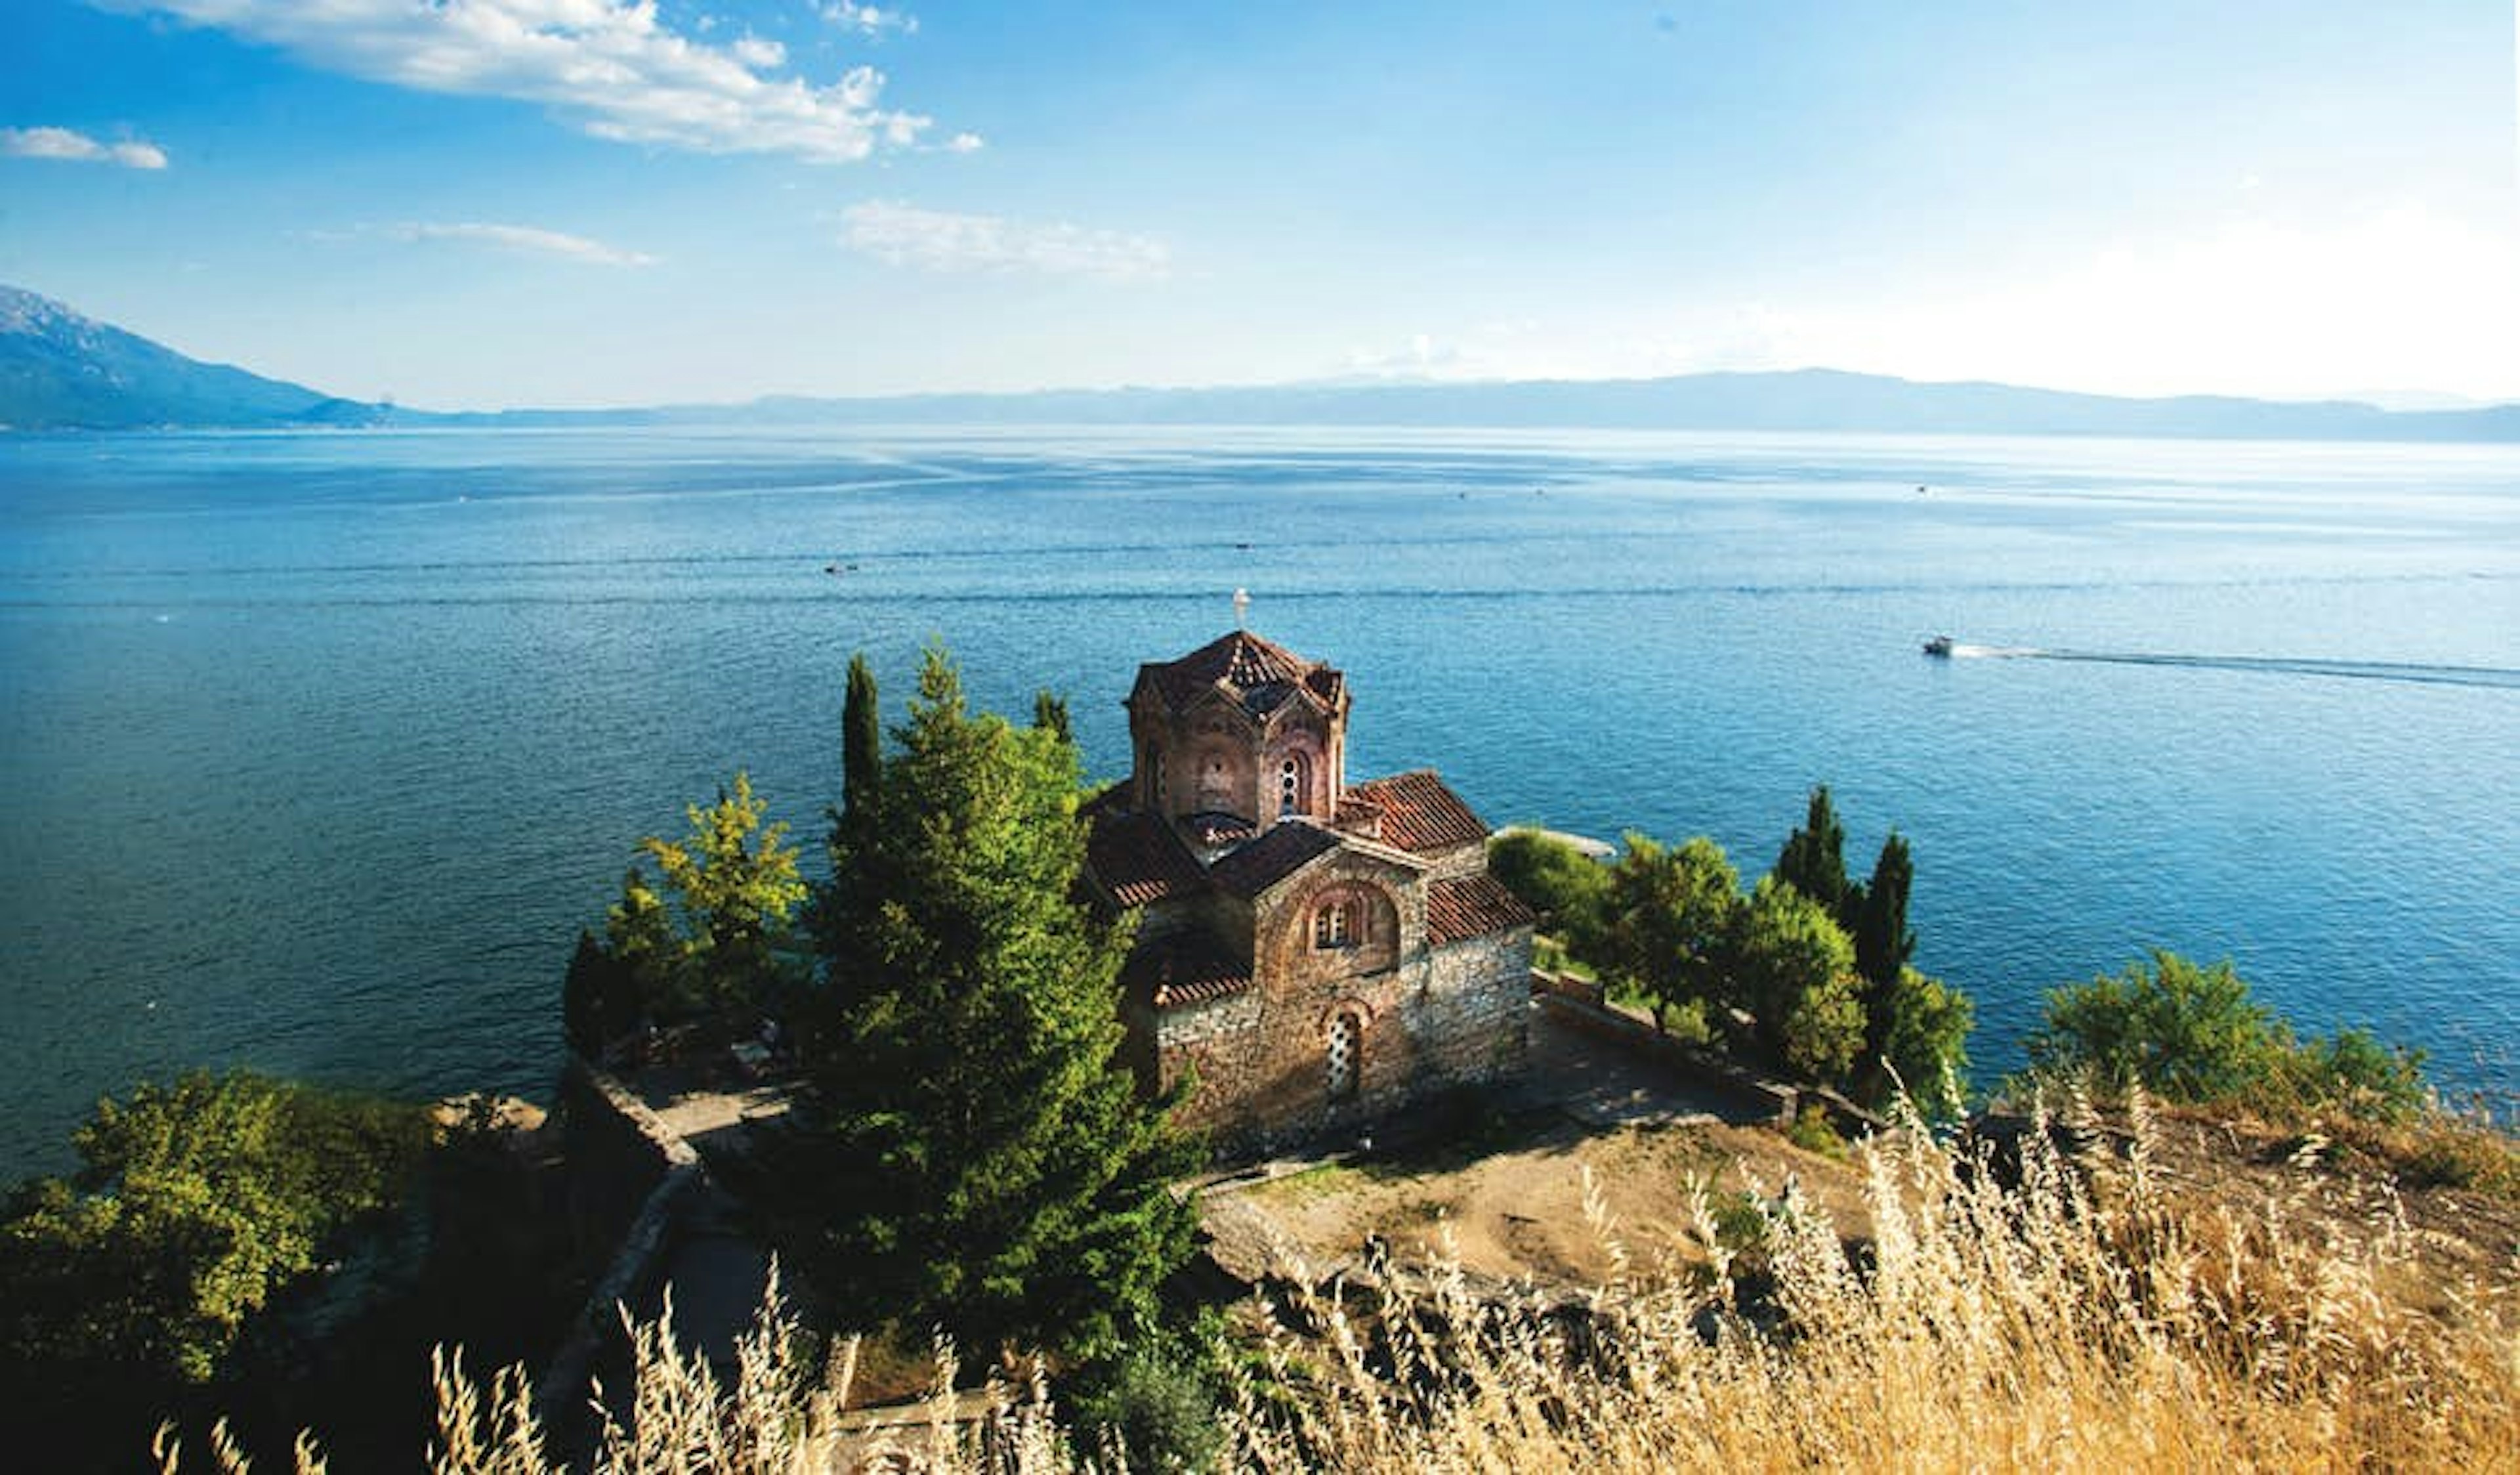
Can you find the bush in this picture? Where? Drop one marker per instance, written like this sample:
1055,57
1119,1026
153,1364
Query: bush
2192,1033
1159,1405
129,1283
1562,885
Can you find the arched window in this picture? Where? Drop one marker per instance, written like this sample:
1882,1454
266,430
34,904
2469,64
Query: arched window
1155,774
1342,1055
1335,924
1290,785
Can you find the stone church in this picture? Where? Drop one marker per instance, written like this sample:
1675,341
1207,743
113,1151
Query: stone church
1312,954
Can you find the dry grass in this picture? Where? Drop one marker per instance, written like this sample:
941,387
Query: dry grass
2086,1317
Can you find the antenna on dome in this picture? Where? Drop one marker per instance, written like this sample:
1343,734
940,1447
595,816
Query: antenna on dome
1241,607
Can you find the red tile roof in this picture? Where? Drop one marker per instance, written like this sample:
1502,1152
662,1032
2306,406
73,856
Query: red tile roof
1418,813
1273,857
1184,968
1470,907
1136,859
1261,673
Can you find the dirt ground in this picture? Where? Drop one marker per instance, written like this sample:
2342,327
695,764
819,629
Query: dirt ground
1520,1211
1512,1206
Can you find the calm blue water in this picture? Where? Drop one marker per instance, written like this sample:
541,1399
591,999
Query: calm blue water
319,749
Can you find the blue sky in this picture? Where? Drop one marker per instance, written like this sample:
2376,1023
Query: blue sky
490,203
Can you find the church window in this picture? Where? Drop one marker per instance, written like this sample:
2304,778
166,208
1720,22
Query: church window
1156,772
1291,786
1341,1056
1335,925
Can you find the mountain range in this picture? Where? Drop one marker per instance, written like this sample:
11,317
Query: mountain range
59,370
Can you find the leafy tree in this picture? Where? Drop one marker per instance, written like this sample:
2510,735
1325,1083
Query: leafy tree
1813,859
194,1201
1667,919
1559,883
599,997
2192,1033
1796,968
861,739
1924,1038
2187,1032
1883,945
720,940
1049,714
985,1162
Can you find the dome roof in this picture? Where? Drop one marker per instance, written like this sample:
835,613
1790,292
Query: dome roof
1260,675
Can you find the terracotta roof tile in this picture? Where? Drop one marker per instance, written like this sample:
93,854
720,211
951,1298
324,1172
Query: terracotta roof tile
1136,859
1470,907
1419,813
1185,968
1271,858
1261,673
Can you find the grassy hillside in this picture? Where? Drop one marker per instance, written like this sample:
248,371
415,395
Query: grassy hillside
2117,1305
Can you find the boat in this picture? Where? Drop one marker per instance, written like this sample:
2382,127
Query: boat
1940,645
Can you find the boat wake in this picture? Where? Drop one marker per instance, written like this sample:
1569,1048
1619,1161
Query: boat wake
2281,666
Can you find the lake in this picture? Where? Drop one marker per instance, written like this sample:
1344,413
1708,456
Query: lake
321,747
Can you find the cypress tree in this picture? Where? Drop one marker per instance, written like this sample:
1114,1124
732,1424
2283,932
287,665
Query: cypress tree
861,739
984,1162
1882,941
1813,859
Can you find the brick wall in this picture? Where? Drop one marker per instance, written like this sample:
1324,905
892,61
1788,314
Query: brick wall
1424,1022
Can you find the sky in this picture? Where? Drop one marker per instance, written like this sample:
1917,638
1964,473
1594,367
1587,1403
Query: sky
483,203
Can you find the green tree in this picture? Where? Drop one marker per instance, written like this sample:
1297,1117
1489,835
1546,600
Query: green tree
1797,969
861,739
2188,1032
720,940
1049,714
1562,885
1924,1038
1883,945
2193,1034
1667,920
985,1163
1905,1025
194,1201
599,997
1813,859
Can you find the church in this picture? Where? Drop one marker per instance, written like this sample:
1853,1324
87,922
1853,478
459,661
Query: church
1311,954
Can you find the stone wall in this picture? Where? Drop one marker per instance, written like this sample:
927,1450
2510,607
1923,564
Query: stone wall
1435,1020
1473,1011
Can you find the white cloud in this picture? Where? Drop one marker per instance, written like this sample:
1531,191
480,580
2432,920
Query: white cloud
758,53
868,20
526,240
963,143
65,144
906,235
607,67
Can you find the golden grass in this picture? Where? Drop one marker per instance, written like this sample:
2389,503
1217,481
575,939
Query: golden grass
2085,1318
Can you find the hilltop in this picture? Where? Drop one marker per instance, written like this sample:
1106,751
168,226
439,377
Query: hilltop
61,370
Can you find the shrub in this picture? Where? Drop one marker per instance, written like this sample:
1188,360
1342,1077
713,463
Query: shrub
2192,1033
1559,883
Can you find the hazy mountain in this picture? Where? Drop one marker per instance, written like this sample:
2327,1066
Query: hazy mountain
1804,399
59,370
